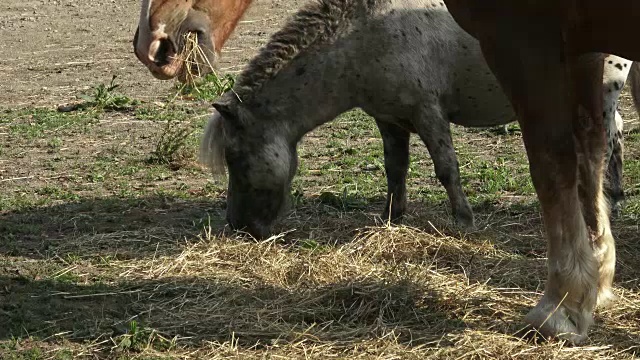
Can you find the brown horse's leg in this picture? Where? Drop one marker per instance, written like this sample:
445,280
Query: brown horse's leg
589,130
532,70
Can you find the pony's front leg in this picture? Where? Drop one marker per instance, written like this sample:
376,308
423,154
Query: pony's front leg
546,113
396,164
589,131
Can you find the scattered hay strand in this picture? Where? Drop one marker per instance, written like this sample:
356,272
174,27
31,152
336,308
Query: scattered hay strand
194,59
197,64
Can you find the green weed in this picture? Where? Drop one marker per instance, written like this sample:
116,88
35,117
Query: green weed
208,88
173,138
139,338
105,97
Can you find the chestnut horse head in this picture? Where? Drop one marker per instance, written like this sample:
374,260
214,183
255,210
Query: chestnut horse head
160,38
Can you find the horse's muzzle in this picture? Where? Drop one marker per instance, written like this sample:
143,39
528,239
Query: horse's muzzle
160,57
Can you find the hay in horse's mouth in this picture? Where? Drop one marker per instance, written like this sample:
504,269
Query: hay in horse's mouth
195,60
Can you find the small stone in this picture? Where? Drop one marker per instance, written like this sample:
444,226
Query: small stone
370,167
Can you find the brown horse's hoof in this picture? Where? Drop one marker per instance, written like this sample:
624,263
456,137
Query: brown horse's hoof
552,320
606,298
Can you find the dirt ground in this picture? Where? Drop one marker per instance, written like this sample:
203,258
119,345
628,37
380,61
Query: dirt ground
52,50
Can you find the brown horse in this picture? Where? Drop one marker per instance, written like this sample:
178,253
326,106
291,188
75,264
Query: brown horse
160,37
526,43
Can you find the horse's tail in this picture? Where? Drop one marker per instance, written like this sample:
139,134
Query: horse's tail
212,145
634,79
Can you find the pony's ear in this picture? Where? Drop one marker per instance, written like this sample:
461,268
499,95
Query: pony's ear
227,106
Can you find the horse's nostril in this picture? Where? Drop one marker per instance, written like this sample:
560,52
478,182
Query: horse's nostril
164,52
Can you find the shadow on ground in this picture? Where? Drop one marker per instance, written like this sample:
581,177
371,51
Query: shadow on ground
216,310
130,228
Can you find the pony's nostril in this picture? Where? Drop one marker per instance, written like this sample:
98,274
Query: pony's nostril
164,52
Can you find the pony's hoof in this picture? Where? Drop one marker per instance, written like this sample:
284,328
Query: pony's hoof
557,321
615,209
393,217
395,220
465,220
616,201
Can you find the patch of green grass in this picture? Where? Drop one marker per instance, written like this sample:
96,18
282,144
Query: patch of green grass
33,197
501,175
347,200
348,164
169,112
313,246
42,122
15,201
208,88
57,193
30,197
68,119
13,350
54,144
64,354
176,141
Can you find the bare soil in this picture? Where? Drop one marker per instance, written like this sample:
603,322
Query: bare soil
52,50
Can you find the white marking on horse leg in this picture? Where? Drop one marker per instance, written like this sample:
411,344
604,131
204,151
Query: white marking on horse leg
605,253
565,310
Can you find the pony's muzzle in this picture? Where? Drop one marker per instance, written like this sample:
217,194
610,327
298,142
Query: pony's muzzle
254,229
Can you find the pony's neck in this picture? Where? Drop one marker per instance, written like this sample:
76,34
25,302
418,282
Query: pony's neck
226,16
312,90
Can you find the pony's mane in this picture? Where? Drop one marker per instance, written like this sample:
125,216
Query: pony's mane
318,22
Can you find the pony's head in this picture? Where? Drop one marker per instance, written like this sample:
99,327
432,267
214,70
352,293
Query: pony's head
161,37
260,161
251,133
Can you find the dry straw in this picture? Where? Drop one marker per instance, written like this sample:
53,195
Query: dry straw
196,63
385,292
194,59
